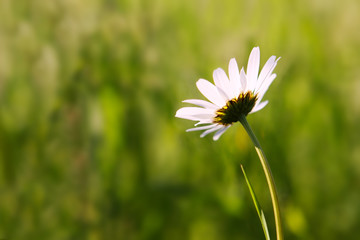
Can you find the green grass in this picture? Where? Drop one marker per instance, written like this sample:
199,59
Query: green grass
90,147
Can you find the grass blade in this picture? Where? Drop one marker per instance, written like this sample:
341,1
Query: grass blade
257,206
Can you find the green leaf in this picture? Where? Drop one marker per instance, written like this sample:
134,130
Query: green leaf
257,206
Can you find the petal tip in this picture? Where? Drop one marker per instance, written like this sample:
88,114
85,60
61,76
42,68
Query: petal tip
233,60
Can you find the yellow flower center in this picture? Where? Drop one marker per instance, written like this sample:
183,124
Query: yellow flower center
235,107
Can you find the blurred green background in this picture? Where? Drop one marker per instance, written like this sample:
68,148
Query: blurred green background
90,147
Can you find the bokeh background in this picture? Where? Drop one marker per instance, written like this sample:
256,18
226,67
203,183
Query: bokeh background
90,147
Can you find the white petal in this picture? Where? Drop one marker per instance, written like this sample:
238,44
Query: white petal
200,128
234,75
259,106
265,86
200,117
222,82
223,94
253,68
210,92
267,70
217,127
218,134
201,103
204,121
194,111
243,81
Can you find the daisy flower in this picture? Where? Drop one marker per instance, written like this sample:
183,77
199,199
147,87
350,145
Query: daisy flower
231,97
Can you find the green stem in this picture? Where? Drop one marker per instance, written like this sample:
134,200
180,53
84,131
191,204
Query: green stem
268,175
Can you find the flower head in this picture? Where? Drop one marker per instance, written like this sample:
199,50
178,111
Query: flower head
231,97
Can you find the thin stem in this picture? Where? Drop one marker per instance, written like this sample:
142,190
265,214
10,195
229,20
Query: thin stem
268,175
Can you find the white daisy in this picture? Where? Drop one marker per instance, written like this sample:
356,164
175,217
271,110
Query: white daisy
230,98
